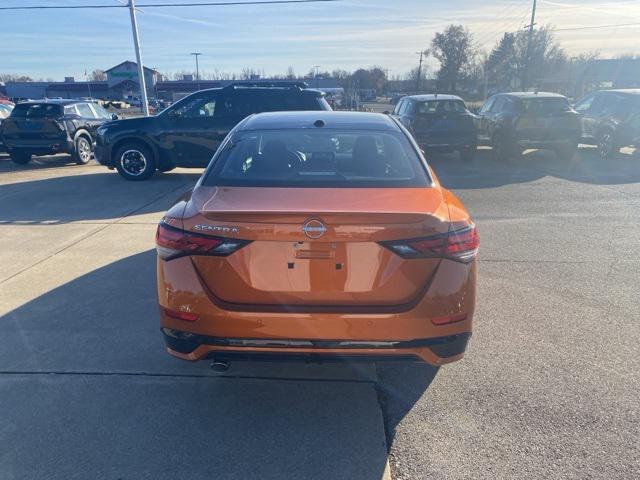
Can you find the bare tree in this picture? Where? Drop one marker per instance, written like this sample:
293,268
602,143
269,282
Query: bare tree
98,75
455,50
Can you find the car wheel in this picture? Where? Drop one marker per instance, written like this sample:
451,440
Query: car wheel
135,161
468,153
499,147
606,146
21,158
83,150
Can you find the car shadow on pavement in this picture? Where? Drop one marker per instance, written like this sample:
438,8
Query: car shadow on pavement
87,197
38,163
486,172
89,392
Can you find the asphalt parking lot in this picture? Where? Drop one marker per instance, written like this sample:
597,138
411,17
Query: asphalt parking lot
548,389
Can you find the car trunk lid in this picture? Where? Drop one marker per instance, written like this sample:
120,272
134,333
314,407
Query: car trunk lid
335,261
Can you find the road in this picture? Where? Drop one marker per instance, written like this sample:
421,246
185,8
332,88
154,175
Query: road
548,389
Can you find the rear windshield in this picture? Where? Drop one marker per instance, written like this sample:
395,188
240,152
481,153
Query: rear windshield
36,110
318,158
440,106
545,105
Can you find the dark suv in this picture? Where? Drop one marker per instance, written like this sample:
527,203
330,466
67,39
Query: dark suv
439,122
514,122
188,133
45,127
610,119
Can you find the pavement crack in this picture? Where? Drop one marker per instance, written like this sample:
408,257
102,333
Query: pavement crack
179,375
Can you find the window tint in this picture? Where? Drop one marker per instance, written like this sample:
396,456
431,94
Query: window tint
396,111
99,111
487,105
37,110
498,105
440,106
84,110
545,105
318,158
70,110
585,104
243,103
196,106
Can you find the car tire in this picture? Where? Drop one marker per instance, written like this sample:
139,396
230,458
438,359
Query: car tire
606,145
135,161
83,150
468,153
500,147
20,158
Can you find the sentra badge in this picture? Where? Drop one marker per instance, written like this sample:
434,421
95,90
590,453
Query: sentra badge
215,228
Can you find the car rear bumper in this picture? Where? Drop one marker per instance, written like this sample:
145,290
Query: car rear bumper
437,351
411,333
40,147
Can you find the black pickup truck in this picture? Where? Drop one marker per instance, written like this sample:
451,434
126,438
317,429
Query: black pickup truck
45,127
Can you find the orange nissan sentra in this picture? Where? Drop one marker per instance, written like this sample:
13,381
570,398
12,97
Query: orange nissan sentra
315,234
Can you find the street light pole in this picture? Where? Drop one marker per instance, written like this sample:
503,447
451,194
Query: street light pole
197,54
136,43
525,80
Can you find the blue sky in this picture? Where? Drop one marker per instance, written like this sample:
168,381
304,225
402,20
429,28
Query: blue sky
345,34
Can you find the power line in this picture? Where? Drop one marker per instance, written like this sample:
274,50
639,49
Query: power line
160,5
597,26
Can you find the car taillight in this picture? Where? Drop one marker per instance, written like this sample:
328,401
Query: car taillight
460,245
172,242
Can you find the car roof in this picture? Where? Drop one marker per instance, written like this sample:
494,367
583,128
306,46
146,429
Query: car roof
338,120
51,102
627,91
533,94
433,96
264,87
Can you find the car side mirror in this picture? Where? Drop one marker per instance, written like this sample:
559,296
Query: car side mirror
114,116
387,112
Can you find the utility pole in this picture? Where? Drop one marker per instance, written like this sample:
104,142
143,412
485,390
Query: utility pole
525,79
317,69
419,77
196,54
136,43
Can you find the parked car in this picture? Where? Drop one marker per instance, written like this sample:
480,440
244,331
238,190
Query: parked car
610,119
188,133
439,122
46,127
5,111
317,233
514,122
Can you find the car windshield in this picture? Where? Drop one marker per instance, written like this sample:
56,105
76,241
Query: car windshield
440,106
545,105
318,158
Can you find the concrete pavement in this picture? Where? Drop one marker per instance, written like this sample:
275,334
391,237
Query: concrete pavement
548,388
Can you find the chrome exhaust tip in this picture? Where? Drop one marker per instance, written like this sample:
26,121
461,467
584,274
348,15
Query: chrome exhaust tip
219,366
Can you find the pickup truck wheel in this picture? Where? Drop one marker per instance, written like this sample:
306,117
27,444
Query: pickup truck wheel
83,150
21,158
135,161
